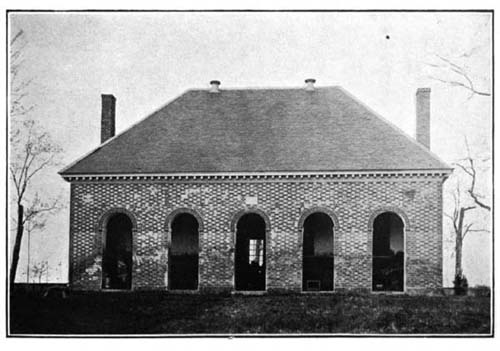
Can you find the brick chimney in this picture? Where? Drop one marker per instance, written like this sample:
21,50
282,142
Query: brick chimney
107,117
423,133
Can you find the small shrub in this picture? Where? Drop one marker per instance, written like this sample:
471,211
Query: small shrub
460,284
482,291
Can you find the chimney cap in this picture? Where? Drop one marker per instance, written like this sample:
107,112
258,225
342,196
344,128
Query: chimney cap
423,90
214,86
310,84
108,96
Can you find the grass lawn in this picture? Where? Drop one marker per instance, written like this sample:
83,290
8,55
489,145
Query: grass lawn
162,313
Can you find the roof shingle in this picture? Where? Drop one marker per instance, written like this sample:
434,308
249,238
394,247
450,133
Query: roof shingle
259,130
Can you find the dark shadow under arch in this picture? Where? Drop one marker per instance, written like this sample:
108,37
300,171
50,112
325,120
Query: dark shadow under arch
317,252
250,252
117,251
388,251
183,258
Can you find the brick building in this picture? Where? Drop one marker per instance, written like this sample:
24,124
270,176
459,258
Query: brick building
302,189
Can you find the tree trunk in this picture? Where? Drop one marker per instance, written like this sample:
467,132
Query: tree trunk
459,238
458,254
29,261
17,245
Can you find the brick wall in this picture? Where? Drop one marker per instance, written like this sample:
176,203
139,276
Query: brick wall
353,202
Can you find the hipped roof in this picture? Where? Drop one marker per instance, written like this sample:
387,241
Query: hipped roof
259,130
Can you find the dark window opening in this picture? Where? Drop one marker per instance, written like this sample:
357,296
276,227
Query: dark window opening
388,253
250,260
117,255
317,267
183,254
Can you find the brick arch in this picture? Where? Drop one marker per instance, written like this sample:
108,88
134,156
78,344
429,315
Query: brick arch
102,233
236,217
300,244
103,220
168,245
330,213
393,209
267,237
102,223
171,216
406,227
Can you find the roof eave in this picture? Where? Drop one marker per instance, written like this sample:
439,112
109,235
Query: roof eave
445,172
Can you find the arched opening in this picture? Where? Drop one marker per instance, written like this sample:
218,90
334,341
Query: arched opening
117,255
388,252
250,255
317,253
183,253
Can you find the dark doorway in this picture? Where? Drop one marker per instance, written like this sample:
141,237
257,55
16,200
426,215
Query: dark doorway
250,256
388,253
183,254
117,256
317,267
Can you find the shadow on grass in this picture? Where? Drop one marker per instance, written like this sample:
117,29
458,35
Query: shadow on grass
163,313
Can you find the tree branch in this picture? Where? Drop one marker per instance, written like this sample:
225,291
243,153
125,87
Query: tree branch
37,208
464,80
470,169
477,201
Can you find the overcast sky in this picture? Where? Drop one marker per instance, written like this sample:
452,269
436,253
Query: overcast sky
147,59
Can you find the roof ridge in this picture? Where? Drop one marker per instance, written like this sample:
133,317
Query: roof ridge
266,88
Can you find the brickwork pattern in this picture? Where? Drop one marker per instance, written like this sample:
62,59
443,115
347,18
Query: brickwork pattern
353,202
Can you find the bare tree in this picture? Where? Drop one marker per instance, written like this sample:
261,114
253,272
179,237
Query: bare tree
32,151
460,217
462,225
457,70
35,219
